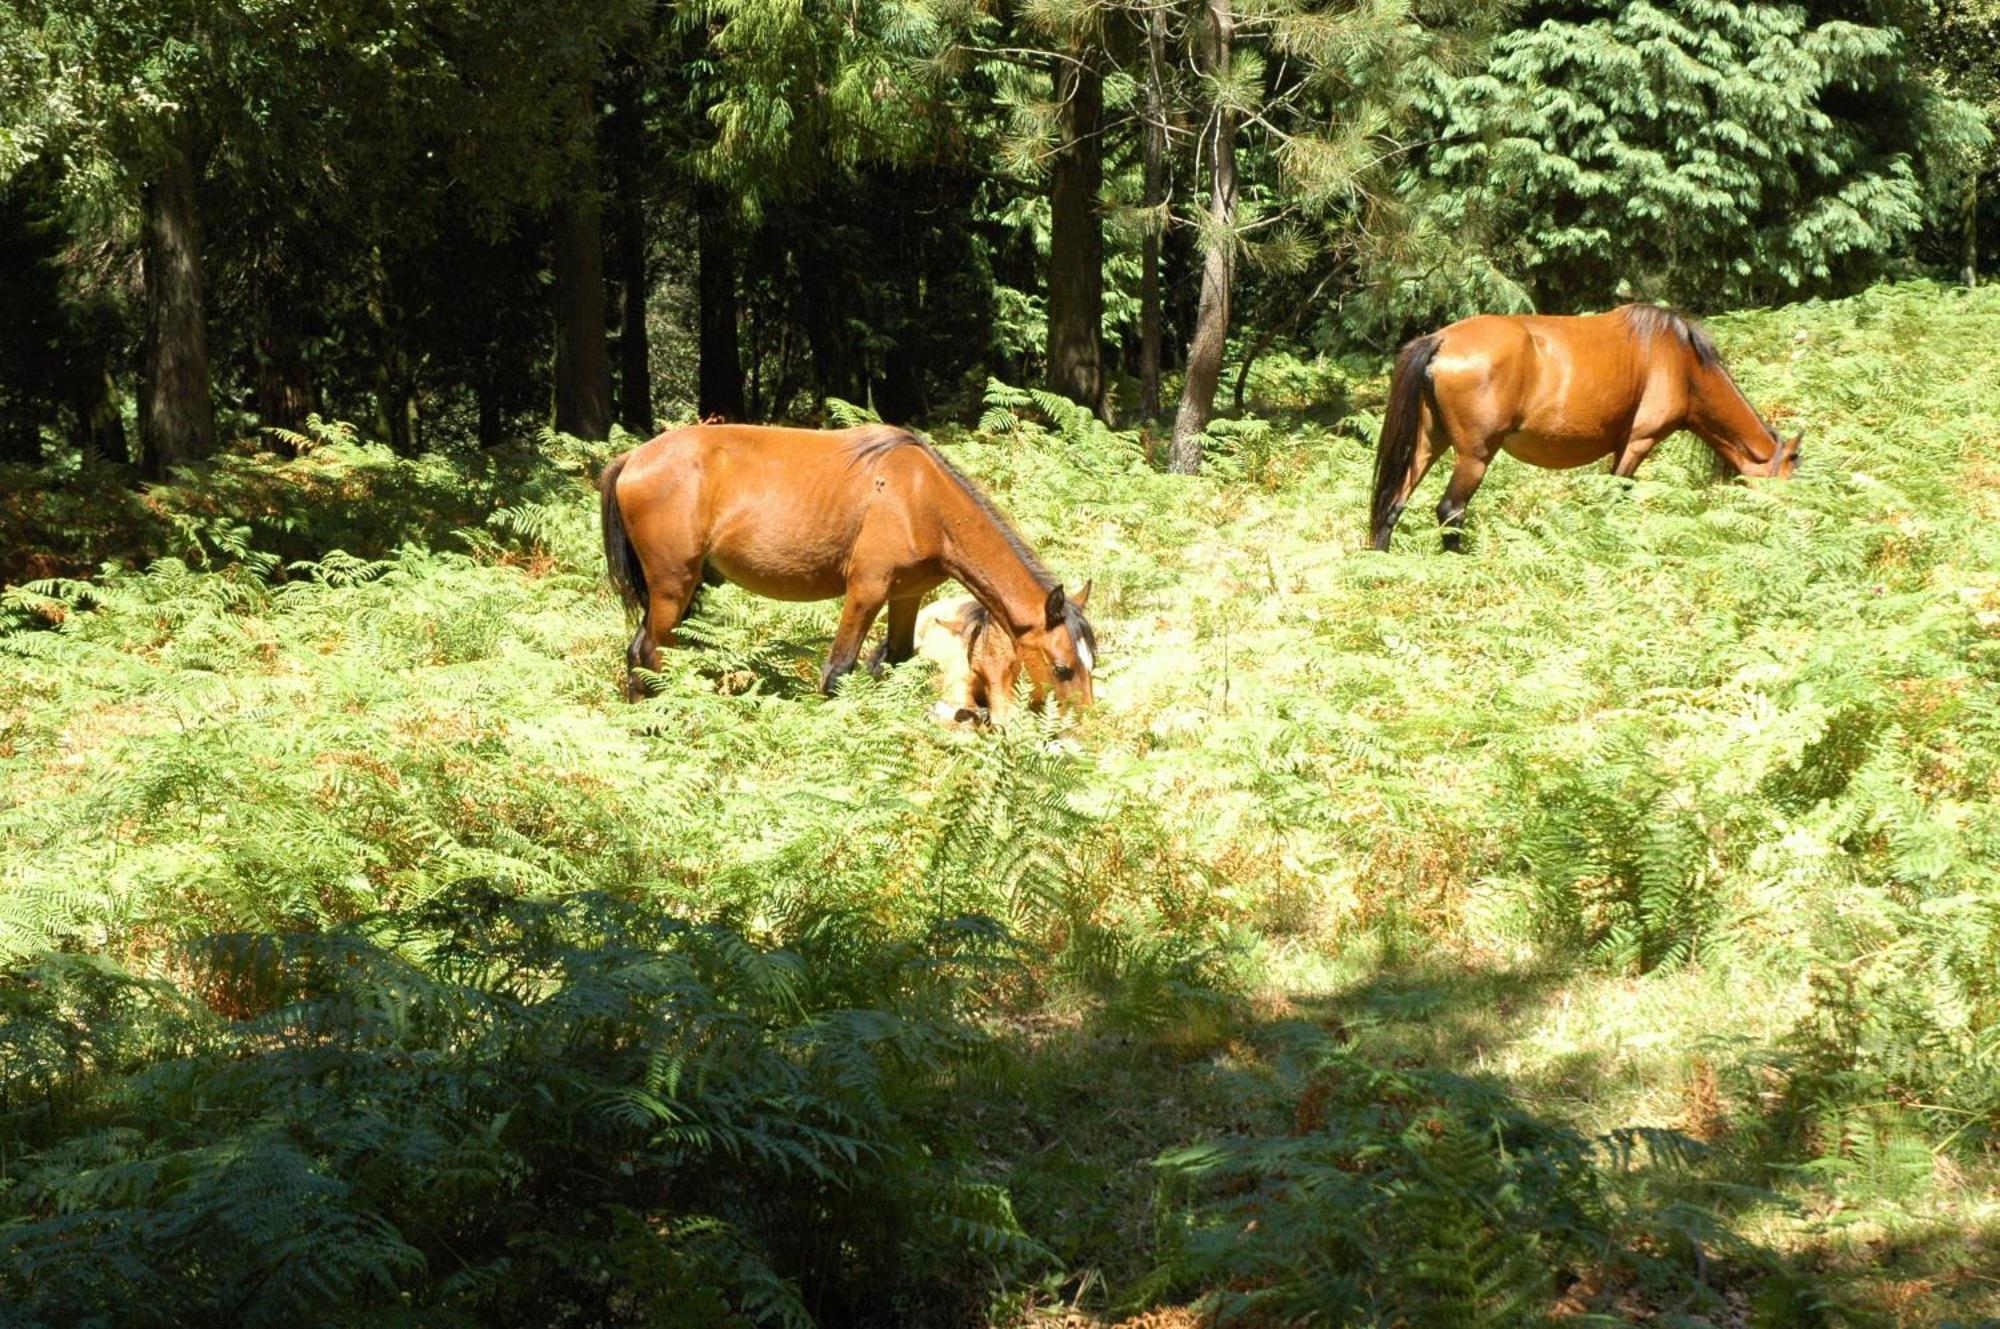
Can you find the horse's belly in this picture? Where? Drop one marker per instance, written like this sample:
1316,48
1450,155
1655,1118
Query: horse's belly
1556,452
776,580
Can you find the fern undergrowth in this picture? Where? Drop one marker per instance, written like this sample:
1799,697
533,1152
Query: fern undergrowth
1603,924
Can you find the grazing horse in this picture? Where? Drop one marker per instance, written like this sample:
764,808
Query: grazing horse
1558,392
977,663
874,513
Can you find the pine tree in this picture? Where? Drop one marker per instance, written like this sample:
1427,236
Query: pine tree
1696,150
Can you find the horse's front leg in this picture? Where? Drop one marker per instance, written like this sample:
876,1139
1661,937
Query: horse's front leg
857,615
900,639
1628,457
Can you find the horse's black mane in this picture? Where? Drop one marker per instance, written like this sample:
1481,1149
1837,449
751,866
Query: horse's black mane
1649,321
882,440
979,618
879,441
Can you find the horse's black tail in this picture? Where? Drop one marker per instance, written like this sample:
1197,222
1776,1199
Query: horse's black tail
620,558
1396,450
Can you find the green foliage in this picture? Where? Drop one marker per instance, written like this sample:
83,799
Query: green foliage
487,1110
1412,1197
337,493
1668,807
1701,152
1620,854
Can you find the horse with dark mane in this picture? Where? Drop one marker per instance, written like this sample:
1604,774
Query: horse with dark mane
1558,392
874,513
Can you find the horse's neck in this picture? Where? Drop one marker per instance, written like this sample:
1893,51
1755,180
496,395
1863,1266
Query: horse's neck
979,555
1725,419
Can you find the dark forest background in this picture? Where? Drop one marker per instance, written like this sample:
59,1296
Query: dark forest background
455,223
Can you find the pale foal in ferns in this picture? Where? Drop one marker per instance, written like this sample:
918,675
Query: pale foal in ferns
977,664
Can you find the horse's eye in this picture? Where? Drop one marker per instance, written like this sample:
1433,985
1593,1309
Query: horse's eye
1064,673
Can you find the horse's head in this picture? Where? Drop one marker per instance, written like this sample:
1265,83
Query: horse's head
1060,653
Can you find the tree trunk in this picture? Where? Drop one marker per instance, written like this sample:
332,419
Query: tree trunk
280,378
488,395
395,379
1971,269
823,340
284,384
176,414
720,390
99,431
583,363
1211,322
635,381
1154,193
1076,237
395,408
897,391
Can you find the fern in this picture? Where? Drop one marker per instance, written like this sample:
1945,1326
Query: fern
407,1100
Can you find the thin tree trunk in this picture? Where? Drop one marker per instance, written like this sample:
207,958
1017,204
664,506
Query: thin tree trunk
635,384
280,377
720,390
823,341
1275,329
488,395
583,363
1211,323
898,394
1971,269
284,385
1153,194
395,409
1076,237
99,431
176,414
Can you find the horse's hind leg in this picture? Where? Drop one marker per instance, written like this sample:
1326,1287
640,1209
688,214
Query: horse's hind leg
1466,473
635,658
1431,444
671,594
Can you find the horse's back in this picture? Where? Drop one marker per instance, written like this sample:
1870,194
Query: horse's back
1499,337
774,509
745,450
1556,390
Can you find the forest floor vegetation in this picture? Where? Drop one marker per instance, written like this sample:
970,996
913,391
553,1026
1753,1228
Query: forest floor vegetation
1601,927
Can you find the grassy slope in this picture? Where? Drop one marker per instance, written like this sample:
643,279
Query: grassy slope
1600,814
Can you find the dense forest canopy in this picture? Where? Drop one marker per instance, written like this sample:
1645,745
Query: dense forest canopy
458,223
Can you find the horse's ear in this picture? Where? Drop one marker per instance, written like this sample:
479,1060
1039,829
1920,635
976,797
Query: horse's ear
1055,611
1082,598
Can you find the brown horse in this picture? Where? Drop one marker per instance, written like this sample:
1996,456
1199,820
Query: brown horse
874,513
1558,392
